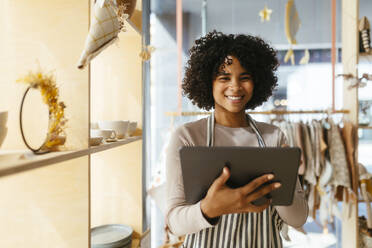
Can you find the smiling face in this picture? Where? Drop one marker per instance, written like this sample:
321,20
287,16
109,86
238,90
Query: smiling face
232,88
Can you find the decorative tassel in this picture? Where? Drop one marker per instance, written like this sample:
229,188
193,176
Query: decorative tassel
364,29
289,55
306,58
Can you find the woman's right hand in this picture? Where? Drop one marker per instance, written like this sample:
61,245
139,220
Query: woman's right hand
221,199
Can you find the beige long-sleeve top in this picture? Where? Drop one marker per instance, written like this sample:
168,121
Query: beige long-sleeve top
183,218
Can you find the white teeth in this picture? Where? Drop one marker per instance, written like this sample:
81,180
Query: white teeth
235,97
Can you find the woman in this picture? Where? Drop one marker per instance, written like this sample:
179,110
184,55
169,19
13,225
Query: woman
229,73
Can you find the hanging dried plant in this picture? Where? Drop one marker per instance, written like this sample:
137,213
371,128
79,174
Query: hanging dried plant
146,52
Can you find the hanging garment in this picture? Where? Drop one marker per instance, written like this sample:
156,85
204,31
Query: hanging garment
298,143
315,141
348,132
309,152
286,129
311,201
339,193
338,157
323,145
324,208
326,175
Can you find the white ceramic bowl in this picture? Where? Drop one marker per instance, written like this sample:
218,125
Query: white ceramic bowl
120,127
132,127
3,132
3,118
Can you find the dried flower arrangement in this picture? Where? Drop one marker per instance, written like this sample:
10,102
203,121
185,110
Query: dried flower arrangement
46,83
121,11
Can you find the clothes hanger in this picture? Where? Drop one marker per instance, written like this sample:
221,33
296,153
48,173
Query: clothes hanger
326,121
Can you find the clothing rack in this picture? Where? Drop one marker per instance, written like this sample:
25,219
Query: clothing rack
269,112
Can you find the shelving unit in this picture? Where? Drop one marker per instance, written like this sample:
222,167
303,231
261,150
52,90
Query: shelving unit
350,48
116,89
53,200
17,161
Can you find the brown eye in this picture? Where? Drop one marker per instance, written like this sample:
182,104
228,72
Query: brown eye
224,78
246,78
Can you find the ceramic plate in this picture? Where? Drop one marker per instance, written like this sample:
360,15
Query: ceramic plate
111,236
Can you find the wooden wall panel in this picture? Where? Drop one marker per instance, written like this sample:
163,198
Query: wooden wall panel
116,192
116,80
46,207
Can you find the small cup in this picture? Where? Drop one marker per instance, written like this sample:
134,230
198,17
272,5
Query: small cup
120,127
105,133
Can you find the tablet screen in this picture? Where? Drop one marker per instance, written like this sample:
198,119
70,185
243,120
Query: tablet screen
202,165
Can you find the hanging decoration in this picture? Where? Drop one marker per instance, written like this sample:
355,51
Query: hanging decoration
306,58
364,35
46,83
265,14
292,24
356,82
146,53
108,19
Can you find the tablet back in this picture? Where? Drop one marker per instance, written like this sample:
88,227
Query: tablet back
202,165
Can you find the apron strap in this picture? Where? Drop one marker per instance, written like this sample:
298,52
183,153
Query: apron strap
253,125
210,130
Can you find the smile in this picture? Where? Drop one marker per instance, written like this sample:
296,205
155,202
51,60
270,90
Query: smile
234,98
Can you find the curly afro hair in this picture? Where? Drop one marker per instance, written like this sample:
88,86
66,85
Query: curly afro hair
208,56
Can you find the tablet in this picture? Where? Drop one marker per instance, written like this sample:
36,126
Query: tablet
202,165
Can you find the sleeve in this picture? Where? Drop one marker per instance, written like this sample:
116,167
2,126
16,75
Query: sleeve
181,218
296,214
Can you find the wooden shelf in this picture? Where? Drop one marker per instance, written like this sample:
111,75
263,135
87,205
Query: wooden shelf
111,145
365,127
365,54
16,161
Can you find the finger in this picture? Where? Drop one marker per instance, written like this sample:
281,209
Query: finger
263,191
254,184
222,179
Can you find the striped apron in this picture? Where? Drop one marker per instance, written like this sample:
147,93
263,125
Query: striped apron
240,230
